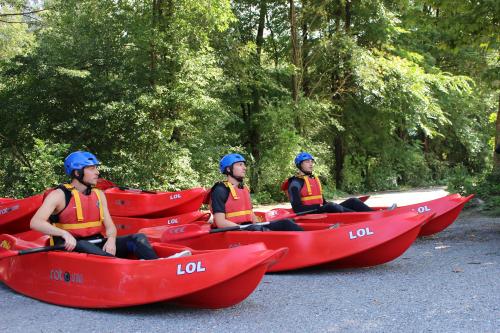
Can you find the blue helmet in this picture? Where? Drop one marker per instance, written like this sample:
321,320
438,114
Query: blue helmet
79,160
229,160
301,157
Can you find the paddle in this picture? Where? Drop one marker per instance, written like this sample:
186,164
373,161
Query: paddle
10,253
195,230
278,215
126,188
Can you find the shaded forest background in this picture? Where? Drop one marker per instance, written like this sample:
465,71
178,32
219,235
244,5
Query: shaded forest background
385,94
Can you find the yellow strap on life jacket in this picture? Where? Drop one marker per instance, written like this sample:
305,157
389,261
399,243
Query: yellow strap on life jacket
101,210
239,213
232,190
78,202
72,226
319,185
308,185
311,197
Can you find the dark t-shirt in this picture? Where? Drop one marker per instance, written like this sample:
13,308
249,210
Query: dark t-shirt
294,187
218,197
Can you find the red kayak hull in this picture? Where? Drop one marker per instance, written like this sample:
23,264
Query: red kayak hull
133,203
130,225
363,244
445,210
207,279
15,214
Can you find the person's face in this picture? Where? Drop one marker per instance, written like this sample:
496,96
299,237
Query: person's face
239,169
90,175
307,165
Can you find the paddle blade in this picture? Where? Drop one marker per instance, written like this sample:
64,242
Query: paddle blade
6,245
281,213
186,231
4,253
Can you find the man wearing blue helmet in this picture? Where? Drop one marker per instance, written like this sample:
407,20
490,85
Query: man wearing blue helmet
230,201
305,192
75,214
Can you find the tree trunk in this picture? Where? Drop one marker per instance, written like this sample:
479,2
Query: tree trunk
305,58
295,53
254,135
259,40
496,157
338,16
347,26
152,46
338,144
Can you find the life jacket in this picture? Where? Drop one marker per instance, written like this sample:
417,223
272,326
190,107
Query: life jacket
84,215
238,205
311,193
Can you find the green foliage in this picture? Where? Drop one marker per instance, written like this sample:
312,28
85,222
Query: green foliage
43,168
390,93
459,180
485,186
488,189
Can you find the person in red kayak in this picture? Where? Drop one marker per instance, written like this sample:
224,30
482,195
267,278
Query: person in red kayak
75,214
230,201
306,194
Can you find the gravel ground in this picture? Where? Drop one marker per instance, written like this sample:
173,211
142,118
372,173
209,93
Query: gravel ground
449,282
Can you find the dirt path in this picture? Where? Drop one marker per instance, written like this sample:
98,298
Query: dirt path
448,282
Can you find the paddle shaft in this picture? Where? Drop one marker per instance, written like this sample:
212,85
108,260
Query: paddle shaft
242,227
126,188
186,231
49,248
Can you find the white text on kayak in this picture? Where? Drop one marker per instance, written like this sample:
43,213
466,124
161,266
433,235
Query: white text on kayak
191,267
423,209
360,233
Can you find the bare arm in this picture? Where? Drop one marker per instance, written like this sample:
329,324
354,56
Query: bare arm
110,227
54,202
221,222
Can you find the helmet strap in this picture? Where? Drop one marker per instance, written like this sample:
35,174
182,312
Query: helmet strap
307,173
78,175
230,173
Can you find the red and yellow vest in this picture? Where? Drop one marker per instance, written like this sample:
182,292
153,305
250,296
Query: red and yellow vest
311,193
84,214
239,204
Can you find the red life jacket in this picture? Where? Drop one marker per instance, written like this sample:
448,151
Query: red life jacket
84,215
311,193
238,205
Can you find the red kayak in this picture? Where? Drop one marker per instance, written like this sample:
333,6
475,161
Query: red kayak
147,204
363,244
130,225
445,210
206,279
15,214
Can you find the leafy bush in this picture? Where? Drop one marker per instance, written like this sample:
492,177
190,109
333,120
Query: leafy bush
459,180
41,168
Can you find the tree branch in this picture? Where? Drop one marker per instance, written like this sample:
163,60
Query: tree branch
23,13
19,22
